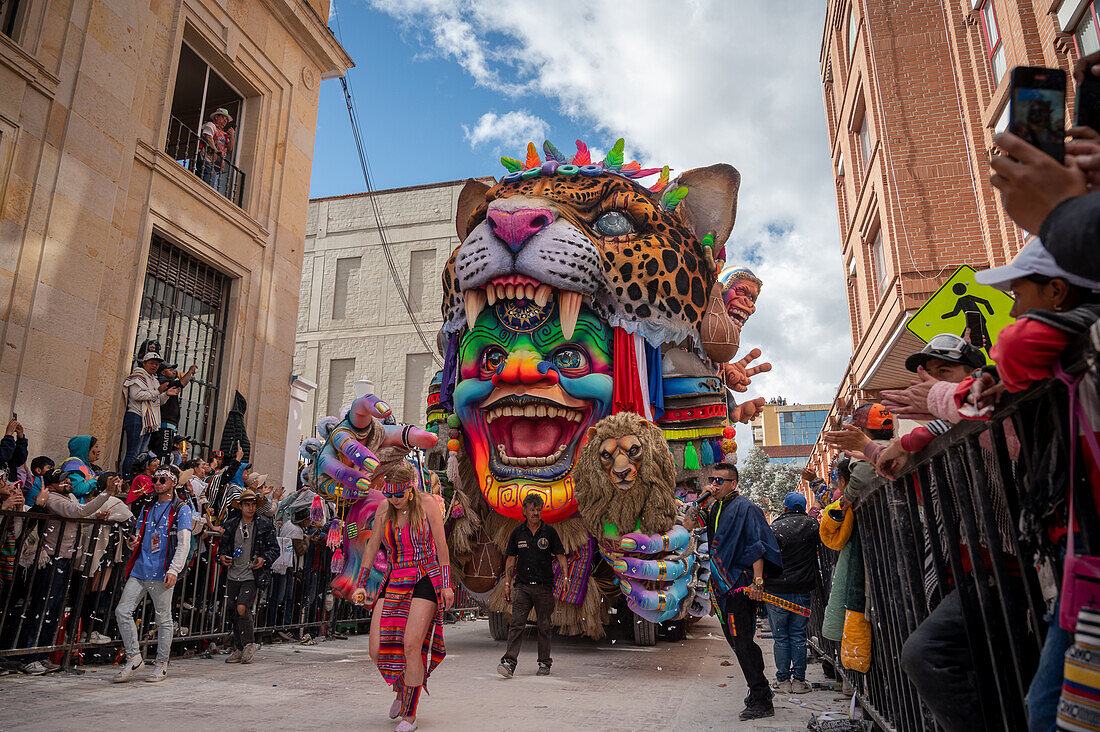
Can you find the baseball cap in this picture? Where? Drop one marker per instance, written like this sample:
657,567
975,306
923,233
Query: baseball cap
1033,259
946,347
794,501
1070,233
873,416
152,356
53,477
164,367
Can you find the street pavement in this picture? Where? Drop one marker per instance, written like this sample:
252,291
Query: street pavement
694,684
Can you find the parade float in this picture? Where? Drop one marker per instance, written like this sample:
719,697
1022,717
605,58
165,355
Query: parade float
587,345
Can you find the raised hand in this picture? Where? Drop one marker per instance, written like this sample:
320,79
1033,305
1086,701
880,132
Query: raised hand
738,374
913,400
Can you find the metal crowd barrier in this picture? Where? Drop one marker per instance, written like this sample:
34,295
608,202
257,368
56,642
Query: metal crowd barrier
961,499
50,602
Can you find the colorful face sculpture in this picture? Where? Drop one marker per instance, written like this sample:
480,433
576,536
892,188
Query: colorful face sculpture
526,396
740,288
554,258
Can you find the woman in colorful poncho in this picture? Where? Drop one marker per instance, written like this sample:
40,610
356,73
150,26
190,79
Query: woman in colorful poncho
406,635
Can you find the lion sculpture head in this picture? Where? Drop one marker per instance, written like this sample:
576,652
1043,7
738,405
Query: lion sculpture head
625,478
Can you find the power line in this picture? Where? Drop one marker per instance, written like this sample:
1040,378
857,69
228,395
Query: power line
367,178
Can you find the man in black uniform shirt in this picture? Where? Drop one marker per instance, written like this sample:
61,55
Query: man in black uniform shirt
534,544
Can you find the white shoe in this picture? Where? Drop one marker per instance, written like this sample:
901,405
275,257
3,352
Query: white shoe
98,638
248,653
34,668
129,667
406,726
160,671
799,686
782,687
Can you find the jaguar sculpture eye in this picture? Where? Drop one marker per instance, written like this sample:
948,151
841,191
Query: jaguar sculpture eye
614,223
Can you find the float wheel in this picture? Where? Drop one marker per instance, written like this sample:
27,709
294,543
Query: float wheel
498,625
645,632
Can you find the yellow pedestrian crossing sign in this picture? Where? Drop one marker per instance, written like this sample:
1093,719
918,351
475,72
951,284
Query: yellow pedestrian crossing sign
961,304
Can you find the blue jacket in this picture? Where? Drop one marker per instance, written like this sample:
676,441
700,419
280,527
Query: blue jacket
739,535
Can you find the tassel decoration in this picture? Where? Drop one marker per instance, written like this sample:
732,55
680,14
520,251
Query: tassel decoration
317,509
334,538
691,457
706,454
337,565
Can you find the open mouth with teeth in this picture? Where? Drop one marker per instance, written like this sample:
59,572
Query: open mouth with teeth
532,436
520,290
738,316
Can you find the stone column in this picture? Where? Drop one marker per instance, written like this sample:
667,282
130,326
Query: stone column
300,389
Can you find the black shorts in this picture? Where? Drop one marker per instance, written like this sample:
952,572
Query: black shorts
424,589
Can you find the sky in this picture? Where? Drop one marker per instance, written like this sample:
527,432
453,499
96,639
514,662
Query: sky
443,88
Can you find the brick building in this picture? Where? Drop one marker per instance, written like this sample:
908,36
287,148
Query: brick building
352,322
913,94
115,226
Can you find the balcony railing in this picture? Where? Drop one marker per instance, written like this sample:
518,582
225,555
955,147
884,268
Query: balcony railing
189,150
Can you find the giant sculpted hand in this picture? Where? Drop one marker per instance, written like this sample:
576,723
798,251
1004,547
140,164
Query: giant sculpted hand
738,374
360,447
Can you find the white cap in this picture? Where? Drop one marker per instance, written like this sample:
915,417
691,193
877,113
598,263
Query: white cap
1033,259
151,355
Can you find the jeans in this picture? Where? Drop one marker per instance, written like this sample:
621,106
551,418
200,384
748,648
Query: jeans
789,633
742,611
132,594
46,599
524,597
1046,685
136,442
936,657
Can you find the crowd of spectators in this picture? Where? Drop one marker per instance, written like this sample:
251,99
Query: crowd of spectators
75,530
1055,280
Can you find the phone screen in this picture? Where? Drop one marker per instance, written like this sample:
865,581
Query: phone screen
1088,102
1037,109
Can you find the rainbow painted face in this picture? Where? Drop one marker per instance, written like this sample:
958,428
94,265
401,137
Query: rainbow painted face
526,396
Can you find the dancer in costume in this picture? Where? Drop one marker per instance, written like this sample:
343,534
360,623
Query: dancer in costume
742,548
406,635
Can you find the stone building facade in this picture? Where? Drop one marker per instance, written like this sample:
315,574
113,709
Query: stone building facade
352,322
914,93
110,235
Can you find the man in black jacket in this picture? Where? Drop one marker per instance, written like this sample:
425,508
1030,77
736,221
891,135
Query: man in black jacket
247,549
798,536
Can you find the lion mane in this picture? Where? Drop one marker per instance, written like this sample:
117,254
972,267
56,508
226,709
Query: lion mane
652,498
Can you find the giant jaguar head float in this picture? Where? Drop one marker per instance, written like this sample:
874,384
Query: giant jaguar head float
558,261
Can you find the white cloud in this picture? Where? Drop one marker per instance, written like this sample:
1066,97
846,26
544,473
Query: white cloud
512,129
690,84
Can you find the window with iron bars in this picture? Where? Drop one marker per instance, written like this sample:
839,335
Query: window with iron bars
184,307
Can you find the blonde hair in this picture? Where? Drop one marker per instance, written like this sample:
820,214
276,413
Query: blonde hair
403,472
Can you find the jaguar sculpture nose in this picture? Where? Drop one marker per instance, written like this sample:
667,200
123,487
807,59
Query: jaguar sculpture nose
516,227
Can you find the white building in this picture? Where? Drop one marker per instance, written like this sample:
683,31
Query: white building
352,323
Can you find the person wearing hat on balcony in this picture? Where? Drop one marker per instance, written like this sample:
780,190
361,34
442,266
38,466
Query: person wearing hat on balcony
144,394
247,550
217,139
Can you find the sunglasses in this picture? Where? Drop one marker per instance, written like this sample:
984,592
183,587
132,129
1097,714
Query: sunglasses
715,480
164,480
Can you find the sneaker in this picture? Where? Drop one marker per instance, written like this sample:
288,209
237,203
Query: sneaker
34,668
285,637
799,686
248,653
544,670
780,687
98,638
506,668
406,726
129,667
234,657
50,665
757,711
160,670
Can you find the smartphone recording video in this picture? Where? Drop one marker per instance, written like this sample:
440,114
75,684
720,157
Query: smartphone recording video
1037,109
1088,102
